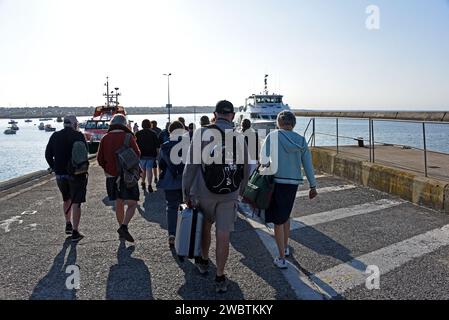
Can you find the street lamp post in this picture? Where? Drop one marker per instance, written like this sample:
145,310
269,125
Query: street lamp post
168,104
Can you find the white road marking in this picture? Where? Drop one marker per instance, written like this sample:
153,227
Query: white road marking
349,275
31,227
335,281
305,193
28,213
327,216
342,213
6,224
301,285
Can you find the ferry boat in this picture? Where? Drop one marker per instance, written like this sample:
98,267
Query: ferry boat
96,128
261,109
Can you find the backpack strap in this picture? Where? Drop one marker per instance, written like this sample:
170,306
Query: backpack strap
126,144
127,140
214,126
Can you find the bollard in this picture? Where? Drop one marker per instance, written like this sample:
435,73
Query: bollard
361,142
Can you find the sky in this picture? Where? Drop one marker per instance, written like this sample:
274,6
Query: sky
319,54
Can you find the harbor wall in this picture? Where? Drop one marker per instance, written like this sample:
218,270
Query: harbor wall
12,183
422,191
435,116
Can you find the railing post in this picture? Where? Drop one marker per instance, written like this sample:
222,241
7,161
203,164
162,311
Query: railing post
337,137
425,148
370,140
374,141
314,135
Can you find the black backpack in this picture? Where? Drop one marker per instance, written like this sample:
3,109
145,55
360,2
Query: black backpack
79,162
79,158
224,177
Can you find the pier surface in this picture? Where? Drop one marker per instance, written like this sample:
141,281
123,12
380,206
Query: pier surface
410,160
335,239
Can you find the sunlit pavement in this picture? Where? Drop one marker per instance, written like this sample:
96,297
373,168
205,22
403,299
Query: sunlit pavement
349,243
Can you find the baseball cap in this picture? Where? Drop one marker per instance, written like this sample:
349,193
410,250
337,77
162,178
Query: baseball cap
224,107
70,120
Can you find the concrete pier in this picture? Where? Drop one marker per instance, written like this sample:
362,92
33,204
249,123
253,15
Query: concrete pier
396,171
335,239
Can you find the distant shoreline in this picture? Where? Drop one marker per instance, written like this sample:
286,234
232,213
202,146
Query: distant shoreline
54,112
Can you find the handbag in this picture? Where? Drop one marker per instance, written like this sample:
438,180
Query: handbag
259,190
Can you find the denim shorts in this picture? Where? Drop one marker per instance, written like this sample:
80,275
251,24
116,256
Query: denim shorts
147,163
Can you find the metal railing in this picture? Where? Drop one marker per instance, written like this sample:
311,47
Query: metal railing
417,118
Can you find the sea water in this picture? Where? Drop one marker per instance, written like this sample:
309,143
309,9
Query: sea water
25,152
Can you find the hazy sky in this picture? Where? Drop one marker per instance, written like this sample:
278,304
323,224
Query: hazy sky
319,53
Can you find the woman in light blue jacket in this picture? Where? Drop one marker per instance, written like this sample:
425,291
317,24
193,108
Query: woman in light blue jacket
287,152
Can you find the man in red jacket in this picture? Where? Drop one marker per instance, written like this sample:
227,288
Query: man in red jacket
107,159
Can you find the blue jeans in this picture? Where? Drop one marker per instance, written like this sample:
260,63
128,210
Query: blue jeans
174,200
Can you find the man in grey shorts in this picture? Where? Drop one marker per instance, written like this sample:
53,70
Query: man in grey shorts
220,209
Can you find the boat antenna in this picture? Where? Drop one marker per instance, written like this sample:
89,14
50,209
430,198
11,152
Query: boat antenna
266,85
117,94
107,92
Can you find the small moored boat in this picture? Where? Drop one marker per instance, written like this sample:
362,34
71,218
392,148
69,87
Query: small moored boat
9,131
49,128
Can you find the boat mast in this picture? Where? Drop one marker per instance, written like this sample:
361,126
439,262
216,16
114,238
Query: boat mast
266,85
107,92
117,94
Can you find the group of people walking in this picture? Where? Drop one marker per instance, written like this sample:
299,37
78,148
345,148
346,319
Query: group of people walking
185,181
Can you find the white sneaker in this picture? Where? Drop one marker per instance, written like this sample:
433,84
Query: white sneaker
280,263
287,252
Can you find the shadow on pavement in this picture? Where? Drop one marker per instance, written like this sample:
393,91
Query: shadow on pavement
258,259
202,287
130,278
53,285
323,245
154,208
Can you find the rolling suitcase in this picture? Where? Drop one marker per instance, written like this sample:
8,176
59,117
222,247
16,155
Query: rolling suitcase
188,233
